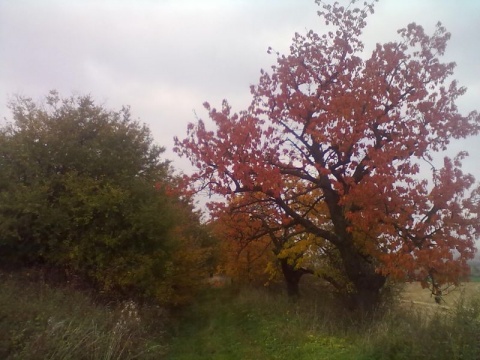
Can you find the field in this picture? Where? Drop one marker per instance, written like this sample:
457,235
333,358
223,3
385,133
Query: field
38,321
413,292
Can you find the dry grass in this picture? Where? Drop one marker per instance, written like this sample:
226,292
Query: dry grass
39,321
413,292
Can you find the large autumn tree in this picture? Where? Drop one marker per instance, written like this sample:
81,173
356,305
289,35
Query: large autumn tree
353,130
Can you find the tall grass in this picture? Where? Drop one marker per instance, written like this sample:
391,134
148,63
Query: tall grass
41,322
420,334
252,323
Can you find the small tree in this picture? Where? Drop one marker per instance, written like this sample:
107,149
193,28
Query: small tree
353,129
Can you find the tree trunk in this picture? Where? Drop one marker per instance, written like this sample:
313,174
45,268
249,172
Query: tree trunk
368,284
292,277
367,296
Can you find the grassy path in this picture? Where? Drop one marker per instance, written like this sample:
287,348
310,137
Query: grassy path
250,326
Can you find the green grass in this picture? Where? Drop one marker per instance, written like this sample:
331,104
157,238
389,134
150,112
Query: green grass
255,324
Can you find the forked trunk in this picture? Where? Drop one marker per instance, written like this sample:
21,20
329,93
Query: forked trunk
292,277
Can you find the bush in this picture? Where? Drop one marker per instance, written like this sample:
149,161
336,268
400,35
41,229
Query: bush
84,189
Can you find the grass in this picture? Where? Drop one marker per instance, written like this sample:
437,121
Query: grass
416,334
41,322
38,321
255,324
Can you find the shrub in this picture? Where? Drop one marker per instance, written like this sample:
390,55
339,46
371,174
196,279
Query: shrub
84,189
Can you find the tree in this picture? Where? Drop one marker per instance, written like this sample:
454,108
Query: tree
354,130
84,189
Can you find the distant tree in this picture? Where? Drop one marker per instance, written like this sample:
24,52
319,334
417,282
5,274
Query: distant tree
85,189
352,129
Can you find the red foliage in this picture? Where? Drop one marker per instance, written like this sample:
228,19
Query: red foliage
355,129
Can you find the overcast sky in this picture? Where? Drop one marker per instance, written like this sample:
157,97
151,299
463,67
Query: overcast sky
164,58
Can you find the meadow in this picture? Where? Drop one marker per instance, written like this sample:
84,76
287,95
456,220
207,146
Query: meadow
41,321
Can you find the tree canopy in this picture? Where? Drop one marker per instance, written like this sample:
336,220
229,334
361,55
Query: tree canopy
332,127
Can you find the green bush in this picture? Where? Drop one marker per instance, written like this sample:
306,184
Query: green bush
84,189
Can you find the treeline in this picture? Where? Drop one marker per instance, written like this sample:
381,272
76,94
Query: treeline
85,191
